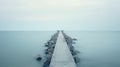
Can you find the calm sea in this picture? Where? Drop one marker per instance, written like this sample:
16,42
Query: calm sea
97,49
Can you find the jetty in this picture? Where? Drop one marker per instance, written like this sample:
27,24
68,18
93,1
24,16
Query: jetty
62,56
60,52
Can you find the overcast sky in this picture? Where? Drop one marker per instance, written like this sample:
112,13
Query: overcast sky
59,14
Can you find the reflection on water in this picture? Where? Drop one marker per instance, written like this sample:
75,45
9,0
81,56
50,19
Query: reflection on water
97,49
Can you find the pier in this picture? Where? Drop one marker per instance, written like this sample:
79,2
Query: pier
62,56
60,52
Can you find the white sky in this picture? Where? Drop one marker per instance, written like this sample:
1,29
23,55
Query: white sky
59,14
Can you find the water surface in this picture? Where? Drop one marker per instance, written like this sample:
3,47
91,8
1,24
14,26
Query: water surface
20,48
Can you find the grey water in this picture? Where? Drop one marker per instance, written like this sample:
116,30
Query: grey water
97,48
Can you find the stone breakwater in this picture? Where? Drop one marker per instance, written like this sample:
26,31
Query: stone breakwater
50,44
70,41
50,48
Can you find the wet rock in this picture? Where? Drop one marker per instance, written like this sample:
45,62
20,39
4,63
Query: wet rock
46,63
39,58
50,48
73,53
76,59
46,45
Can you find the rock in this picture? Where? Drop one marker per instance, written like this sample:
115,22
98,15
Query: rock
46,63
39,59
77,60
74,53
46,45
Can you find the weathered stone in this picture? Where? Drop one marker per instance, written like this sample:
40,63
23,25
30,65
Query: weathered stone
77,60
39,58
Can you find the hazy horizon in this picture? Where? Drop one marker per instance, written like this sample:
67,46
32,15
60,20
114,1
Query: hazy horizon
40,15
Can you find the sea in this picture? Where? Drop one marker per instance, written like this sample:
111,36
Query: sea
97,48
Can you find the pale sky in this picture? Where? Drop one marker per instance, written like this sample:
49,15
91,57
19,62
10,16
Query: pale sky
60,14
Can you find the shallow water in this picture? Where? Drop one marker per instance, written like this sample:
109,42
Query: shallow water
20,48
